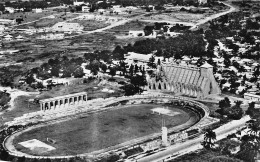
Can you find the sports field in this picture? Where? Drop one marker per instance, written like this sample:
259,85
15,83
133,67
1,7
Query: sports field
104,129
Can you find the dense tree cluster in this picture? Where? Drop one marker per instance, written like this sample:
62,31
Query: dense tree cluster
233,112
4,99
189,44
58,67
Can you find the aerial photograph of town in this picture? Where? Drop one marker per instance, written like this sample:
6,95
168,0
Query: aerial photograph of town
129,80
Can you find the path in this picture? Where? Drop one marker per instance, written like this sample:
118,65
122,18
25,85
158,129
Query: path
14,93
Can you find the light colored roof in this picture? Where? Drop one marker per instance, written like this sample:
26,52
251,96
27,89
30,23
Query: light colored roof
206,65
226,85
247,67
137,56
19,37
246,60
8,36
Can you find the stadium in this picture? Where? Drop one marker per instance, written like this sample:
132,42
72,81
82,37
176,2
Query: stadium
117,126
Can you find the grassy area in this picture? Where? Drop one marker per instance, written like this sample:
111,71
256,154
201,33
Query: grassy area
27,16
22,106
101,130
90,25
212,107
132,25
93,88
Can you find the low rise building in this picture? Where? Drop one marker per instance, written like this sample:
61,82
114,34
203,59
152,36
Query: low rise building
37,10
85,8
252,97
10,9
136,33
78,3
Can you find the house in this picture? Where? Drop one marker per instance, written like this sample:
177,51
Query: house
85,8
2,28
136,33
252,97
67,27
78,3
10,9
37,10
101,11
140,59
19,38
8,37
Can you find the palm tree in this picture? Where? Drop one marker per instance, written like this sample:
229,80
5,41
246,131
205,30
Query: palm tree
250,142
209,137
254,128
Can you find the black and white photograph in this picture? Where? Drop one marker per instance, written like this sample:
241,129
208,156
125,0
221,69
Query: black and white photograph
129,80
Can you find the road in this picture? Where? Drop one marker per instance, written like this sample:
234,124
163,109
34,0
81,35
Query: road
203,21
194,144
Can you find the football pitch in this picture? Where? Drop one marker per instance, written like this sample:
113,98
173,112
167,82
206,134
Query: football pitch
105,129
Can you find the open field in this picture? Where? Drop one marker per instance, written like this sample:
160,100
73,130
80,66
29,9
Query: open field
101,130
132,25
47,20
22,106
28,16
173,17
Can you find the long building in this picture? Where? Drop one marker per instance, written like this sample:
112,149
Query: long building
185,80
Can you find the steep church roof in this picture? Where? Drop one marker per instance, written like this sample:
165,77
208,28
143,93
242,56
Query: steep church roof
206,65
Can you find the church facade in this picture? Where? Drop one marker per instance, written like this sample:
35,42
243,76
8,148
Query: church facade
185,80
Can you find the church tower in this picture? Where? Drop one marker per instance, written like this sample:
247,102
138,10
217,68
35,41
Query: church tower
206,70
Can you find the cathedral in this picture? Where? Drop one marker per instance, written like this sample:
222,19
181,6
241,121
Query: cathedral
185,80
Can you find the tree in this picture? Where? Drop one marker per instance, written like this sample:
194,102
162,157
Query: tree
2,8
251,109
151,62
136,68
223,159
118,53
78,73
131,70
112,72
138,81
159,62
130,89
30,79
93,67
148,30
209,137
225,103
248,149
104,67
235,112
